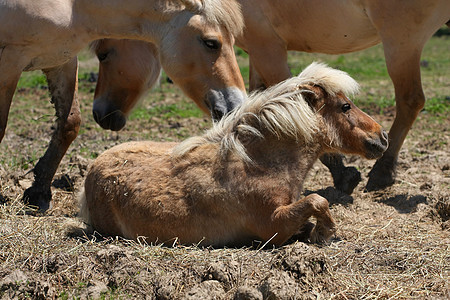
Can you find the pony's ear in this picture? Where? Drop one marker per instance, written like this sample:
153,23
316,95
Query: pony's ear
193,5
311,94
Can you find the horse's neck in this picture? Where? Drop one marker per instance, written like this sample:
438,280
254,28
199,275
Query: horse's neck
131,19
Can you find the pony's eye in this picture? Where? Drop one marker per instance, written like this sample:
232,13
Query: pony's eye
346,107
102,56
212,44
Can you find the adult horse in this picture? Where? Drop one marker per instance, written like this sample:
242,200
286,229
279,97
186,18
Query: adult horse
194,38
218,189
334,27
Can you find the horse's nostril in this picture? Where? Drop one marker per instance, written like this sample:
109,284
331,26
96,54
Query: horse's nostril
117,121
385,139
217,114
96,117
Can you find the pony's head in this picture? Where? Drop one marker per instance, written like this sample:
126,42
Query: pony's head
195,50
312,107
343,126
127,69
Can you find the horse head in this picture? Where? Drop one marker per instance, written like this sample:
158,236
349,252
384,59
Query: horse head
121,82
196,52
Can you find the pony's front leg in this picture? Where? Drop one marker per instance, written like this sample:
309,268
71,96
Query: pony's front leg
288,220
268,66
345,178
62,82
11,66
403,65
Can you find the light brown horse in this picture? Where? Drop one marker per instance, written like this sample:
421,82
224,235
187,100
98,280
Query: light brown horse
240,181
334,27
194,39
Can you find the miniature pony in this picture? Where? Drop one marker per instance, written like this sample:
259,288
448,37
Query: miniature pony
241,180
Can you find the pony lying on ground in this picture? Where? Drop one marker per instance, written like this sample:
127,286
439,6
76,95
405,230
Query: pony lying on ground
241,180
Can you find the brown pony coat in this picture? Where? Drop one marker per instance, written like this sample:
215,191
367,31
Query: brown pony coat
240,181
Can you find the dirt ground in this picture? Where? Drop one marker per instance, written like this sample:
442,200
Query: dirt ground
391,244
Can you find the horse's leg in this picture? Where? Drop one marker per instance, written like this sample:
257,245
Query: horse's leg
403,64
267,67
62,82
10,70
345,178
288,220
255,81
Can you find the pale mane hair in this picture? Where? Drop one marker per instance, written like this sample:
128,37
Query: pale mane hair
280,110
226,13
221,12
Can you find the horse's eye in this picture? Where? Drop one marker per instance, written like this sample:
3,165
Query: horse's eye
102,56
212,44
346,107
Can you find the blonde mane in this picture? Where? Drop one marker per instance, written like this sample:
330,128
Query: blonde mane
281,110
227,13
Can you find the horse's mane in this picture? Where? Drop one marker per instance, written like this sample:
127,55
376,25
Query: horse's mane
227,13
281,110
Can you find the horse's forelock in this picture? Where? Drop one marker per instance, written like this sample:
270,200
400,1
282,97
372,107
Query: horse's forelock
227,13
331,80
93,46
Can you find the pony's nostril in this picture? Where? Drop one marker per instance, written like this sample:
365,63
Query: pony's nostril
385,139
96,117
117,121
217,114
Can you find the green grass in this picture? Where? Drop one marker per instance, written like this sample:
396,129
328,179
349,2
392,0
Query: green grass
34,79
438,105
182,110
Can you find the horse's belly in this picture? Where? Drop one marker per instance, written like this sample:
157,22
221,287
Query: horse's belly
334,43
326,26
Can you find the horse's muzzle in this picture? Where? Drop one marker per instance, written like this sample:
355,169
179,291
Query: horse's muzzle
376,147
221,102
109,117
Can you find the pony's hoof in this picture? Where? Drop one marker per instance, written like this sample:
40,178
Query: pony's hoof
347,180
381,176
321,234
37,198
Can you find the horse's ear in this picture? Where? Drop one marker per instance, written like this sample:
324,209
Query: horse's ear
311,93
193,5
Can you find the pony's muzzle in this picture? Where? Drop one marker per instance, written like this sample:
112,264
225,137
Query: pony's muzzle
221,102
375,147
108,116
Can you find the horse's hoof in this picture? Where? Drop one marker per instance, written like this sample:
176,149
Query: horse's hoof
381,176
347,180
37,198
